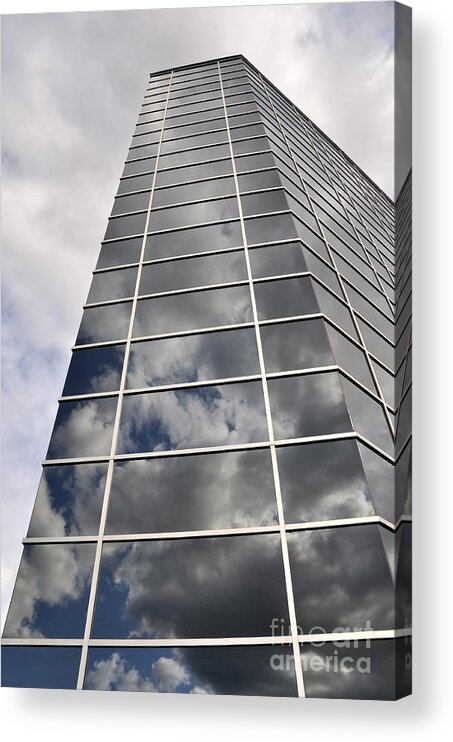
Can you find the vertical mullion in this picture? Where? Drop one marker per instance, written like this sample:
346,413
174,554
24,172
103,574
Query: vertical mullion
281,517
105,503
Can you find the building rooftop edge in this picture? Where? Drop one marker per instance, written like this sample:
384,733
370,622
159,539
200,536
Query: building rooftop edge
241,56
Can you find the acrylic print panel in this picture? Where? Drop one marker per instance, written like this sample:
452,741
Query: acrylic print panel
224,506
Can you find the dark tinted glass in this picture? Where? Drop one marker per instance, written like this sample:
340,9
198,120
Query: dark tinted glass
228,586
184,274
137,183
349,357
51,592
368,417
112,285
308,405
123,226
83,428
193,310
285,298
341,579
323,481
262,203
295,345
95,370
362,670
120,253
103,323
193,418
190,493
204,211
194,172
69,501
211,355
199,239
243,671
270,229
126,204
276,260
194,191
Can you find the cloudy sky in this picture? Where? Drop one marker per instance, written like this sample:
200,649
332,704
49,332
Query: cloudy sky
72,88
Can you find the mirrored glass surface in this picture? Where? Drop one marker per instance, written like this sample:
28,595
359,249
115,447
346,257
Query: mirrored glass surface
192,272
99,324
69,501
264,202
83,428
368,416
94,370
350,357
197,213
323,481
381,481
285,298
193,156
341,579
192,493
197,309
112,285
40,667
239,671
295,345
198,239
308,405
51,593
211,355
193,418
136,183
123,226
270,229
189,588
334,309
244,163
120,253
194,172
136,202
276,260
256,181
194,191
346,669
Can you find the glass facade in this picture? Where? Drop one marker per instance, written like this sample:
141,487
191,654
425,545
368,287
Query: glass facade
219,502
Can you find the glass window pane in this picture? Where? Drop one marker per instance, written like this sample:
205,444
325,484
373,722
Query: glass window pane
185,274
194,172
199,140
341,579
199,239
270,229
192,493
69,501
147,150
334,309
295,345
104,323
207,211
285,298
256,181
308,405
212,355
136,202
193,418
254,162
40,667
51,593
83,428
323,481
112,285
94,370
138,167
123,226
192,311
120,253
265,202
194,191
366,670
190,157
368,416
349,357
377,345
229,586
260,144
276,260
239,671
